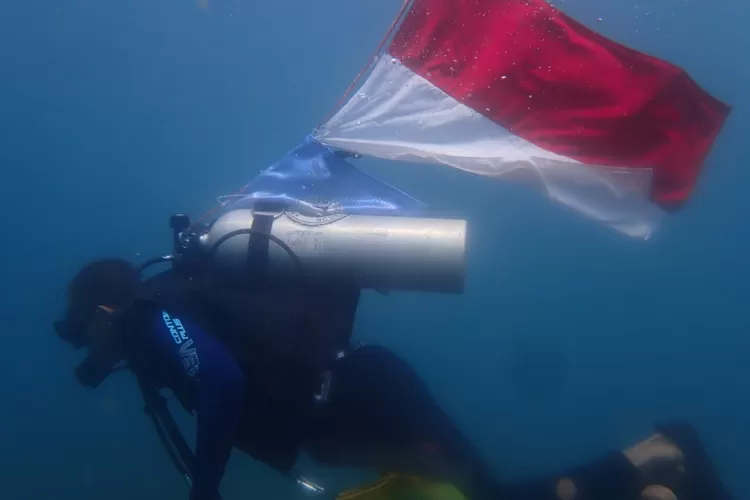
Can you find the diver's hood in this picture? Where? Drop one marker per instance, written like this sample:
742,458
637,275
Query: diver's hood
100,363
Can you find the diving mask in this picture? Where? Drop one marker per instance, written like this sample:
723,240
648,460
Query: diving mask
102,336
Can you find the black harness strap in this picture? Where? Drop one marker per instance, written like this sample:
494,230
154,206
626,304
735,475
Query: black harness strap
171,438
257,246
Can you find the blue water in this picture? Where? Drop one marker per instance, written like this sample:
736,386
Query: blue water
571,340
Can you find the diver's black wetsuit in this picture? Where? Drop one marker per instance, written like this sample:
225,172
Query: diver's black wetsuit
377,411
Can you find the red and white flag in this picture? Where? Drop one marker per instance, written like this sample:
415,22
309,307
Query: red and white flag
517,88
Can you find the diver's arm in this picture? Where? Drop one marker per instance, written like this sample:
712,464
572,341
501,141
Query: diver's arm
217,389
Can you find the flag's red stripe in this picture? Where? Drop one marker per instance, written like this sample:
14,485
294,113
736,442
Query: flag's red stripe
563,87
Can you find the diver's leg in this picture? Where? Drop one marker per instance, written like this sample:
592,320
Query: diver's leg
671,464
381,414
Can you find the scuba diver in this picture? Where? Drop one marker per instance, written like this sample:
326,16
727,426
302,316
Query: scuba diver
267,365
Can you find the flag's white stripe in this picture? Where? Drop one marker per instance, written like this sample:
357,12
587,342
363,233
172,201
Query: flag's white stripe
399,115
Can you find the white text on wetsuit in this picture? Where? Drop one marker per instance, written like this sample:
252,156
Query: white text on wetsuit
188,354
175,328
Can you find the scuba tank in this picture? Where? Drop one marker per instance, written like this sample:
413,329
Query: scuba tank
382,253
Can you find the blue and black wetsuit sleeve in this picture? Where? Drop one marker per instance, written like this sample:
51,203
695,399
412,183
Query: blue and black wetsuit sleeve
215,385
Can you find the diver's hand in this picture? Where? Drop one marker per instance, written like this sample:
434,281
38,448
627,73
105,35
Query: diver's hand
657,492
675,459
653,457
654,454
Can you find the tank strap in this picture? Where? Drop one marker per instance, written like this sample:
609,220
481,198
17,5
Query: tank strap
179,452
258,243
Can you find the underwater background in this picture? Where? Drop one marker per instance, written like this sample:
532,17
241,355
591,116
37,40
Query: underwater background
570,340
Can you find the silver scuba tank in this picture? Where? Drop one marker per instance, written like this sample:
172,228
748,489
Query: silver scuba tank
380,252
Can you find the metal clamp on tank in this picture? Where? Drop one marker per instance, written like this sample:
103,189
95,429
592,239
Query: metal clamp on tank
379,252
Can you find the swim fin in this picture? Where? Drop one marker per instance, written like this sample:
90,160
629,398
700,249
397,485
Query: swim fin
700,480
